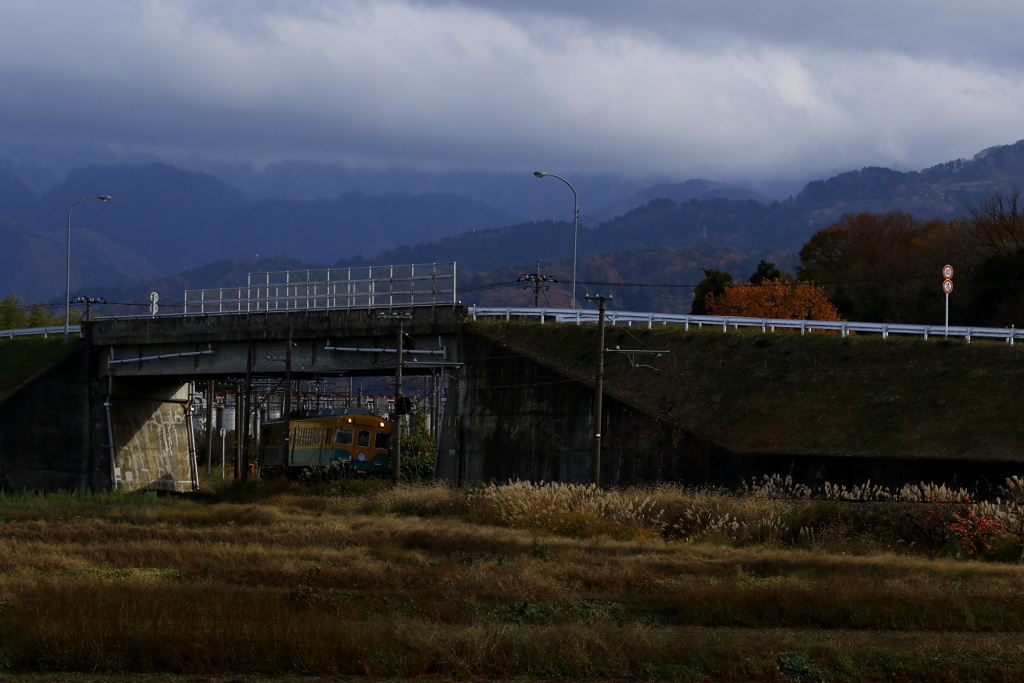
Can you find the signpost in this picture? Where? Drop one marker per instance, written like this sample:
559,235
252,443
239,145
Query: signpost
947,287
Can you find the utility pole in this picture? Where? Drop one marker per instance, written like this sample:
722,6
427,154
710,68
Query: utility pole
536,279
396,464
247,407
595,463
286,432
211,395
88,301
237,473
396,450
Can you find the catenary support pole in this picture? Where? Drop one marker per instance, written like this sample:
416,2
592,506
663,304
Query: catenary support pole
396,460
247,403
236,472
211,396
595,462
286,409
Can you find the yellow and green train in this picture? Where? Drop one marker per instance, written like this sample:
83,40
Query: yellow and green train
352,439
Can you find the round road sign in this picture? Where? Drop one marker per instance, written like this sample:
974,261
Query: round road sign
947,286
947,272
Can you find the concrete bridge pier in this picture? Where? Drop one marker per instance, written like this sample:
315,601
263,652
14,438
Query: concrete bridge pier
149,440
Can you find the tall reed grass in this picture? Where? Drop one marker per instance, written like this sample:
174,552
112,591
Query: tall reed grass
497,581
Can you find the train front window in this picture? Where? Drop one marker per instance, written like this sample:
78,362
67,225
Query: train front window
381,440
364,438
344,436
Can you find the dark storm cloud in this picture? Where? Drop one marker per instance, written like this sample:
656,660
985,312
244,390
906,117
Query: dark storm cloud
721,89
986,30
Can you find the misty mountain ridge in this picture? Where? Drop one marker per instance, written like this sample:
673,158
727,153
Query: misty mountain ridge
33,264
749,225
178,219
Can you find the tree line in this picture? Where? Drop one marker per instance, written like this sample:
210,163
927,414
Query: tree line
15,315
887,267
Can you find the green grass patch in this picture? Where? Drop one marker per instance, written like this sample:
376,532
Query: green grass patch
22,359
813,394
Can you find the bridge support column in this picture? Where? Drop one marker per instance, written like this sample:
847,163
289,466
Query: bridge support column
151,425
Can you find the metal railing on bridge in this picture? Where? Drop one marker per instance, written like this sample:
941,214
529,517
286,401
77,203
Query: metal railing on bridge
33,331
424,284
570,315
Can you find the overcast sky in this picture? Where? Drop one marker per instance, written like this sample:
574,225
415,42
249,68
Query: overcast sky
723,89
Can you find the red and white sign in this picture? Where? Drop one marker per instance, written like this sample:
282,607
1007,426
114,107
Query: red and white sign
947,272
947,286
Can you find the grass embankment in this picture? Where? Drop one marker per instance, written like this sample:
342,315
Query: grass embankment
22,359
818,394
358,579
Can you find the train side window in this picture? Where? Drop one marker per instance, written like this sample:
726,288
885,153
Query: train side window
381,440
344,436
364,437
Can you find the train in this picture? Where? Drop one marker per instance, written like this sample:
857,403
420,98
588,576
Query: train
347,441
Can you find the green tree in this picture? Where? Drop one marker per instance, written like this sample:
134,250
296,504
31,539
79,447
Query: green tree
766,270
419,452
12,313
995,290
40,316
713,285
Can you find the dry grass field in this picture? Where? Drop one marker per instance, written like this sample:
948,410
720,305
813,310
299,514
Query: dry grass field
357,579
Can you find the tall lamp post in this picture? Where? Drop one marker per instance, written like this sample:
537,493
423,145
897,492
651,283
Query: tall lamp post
67,288
575,226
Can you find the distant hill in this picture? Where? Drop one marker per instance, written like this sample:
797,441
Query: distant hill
676,268
33,265
748,225
695,188
36,177
178,218
943,190
17,200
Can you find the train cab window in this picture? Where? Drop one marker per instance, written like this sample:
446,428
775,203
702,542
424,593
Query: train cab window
344,436
381,440
364,437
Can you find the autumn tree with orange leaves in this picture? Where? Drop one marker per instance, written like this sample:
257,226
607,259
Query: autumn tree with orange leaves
773,298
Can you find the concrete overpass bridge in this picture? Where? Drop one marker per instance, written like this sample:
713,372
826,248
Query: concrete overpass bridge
116,413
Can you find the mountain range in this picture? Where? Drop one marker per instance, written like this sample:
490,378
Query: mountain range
167,220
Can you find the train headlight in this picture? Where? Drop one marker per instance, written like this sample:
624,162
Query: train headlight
381,424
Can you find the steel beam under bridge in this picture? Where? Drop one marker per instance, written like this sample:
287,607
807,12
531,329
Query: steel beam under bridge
325,343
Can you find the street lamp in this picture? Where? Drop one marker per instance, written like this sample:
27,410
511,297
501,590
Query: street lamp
575,226
67,288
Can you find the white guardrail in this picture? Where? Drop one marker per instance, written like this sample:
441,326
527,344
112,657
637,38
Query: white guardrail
45,331
578,316
569,315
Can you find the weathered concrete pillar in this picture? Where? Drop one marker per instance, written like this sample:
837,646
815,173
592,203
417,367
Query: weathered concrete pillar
150,428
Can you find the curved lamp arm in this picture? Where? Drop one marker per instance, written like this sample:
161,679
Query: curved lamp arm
575,225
